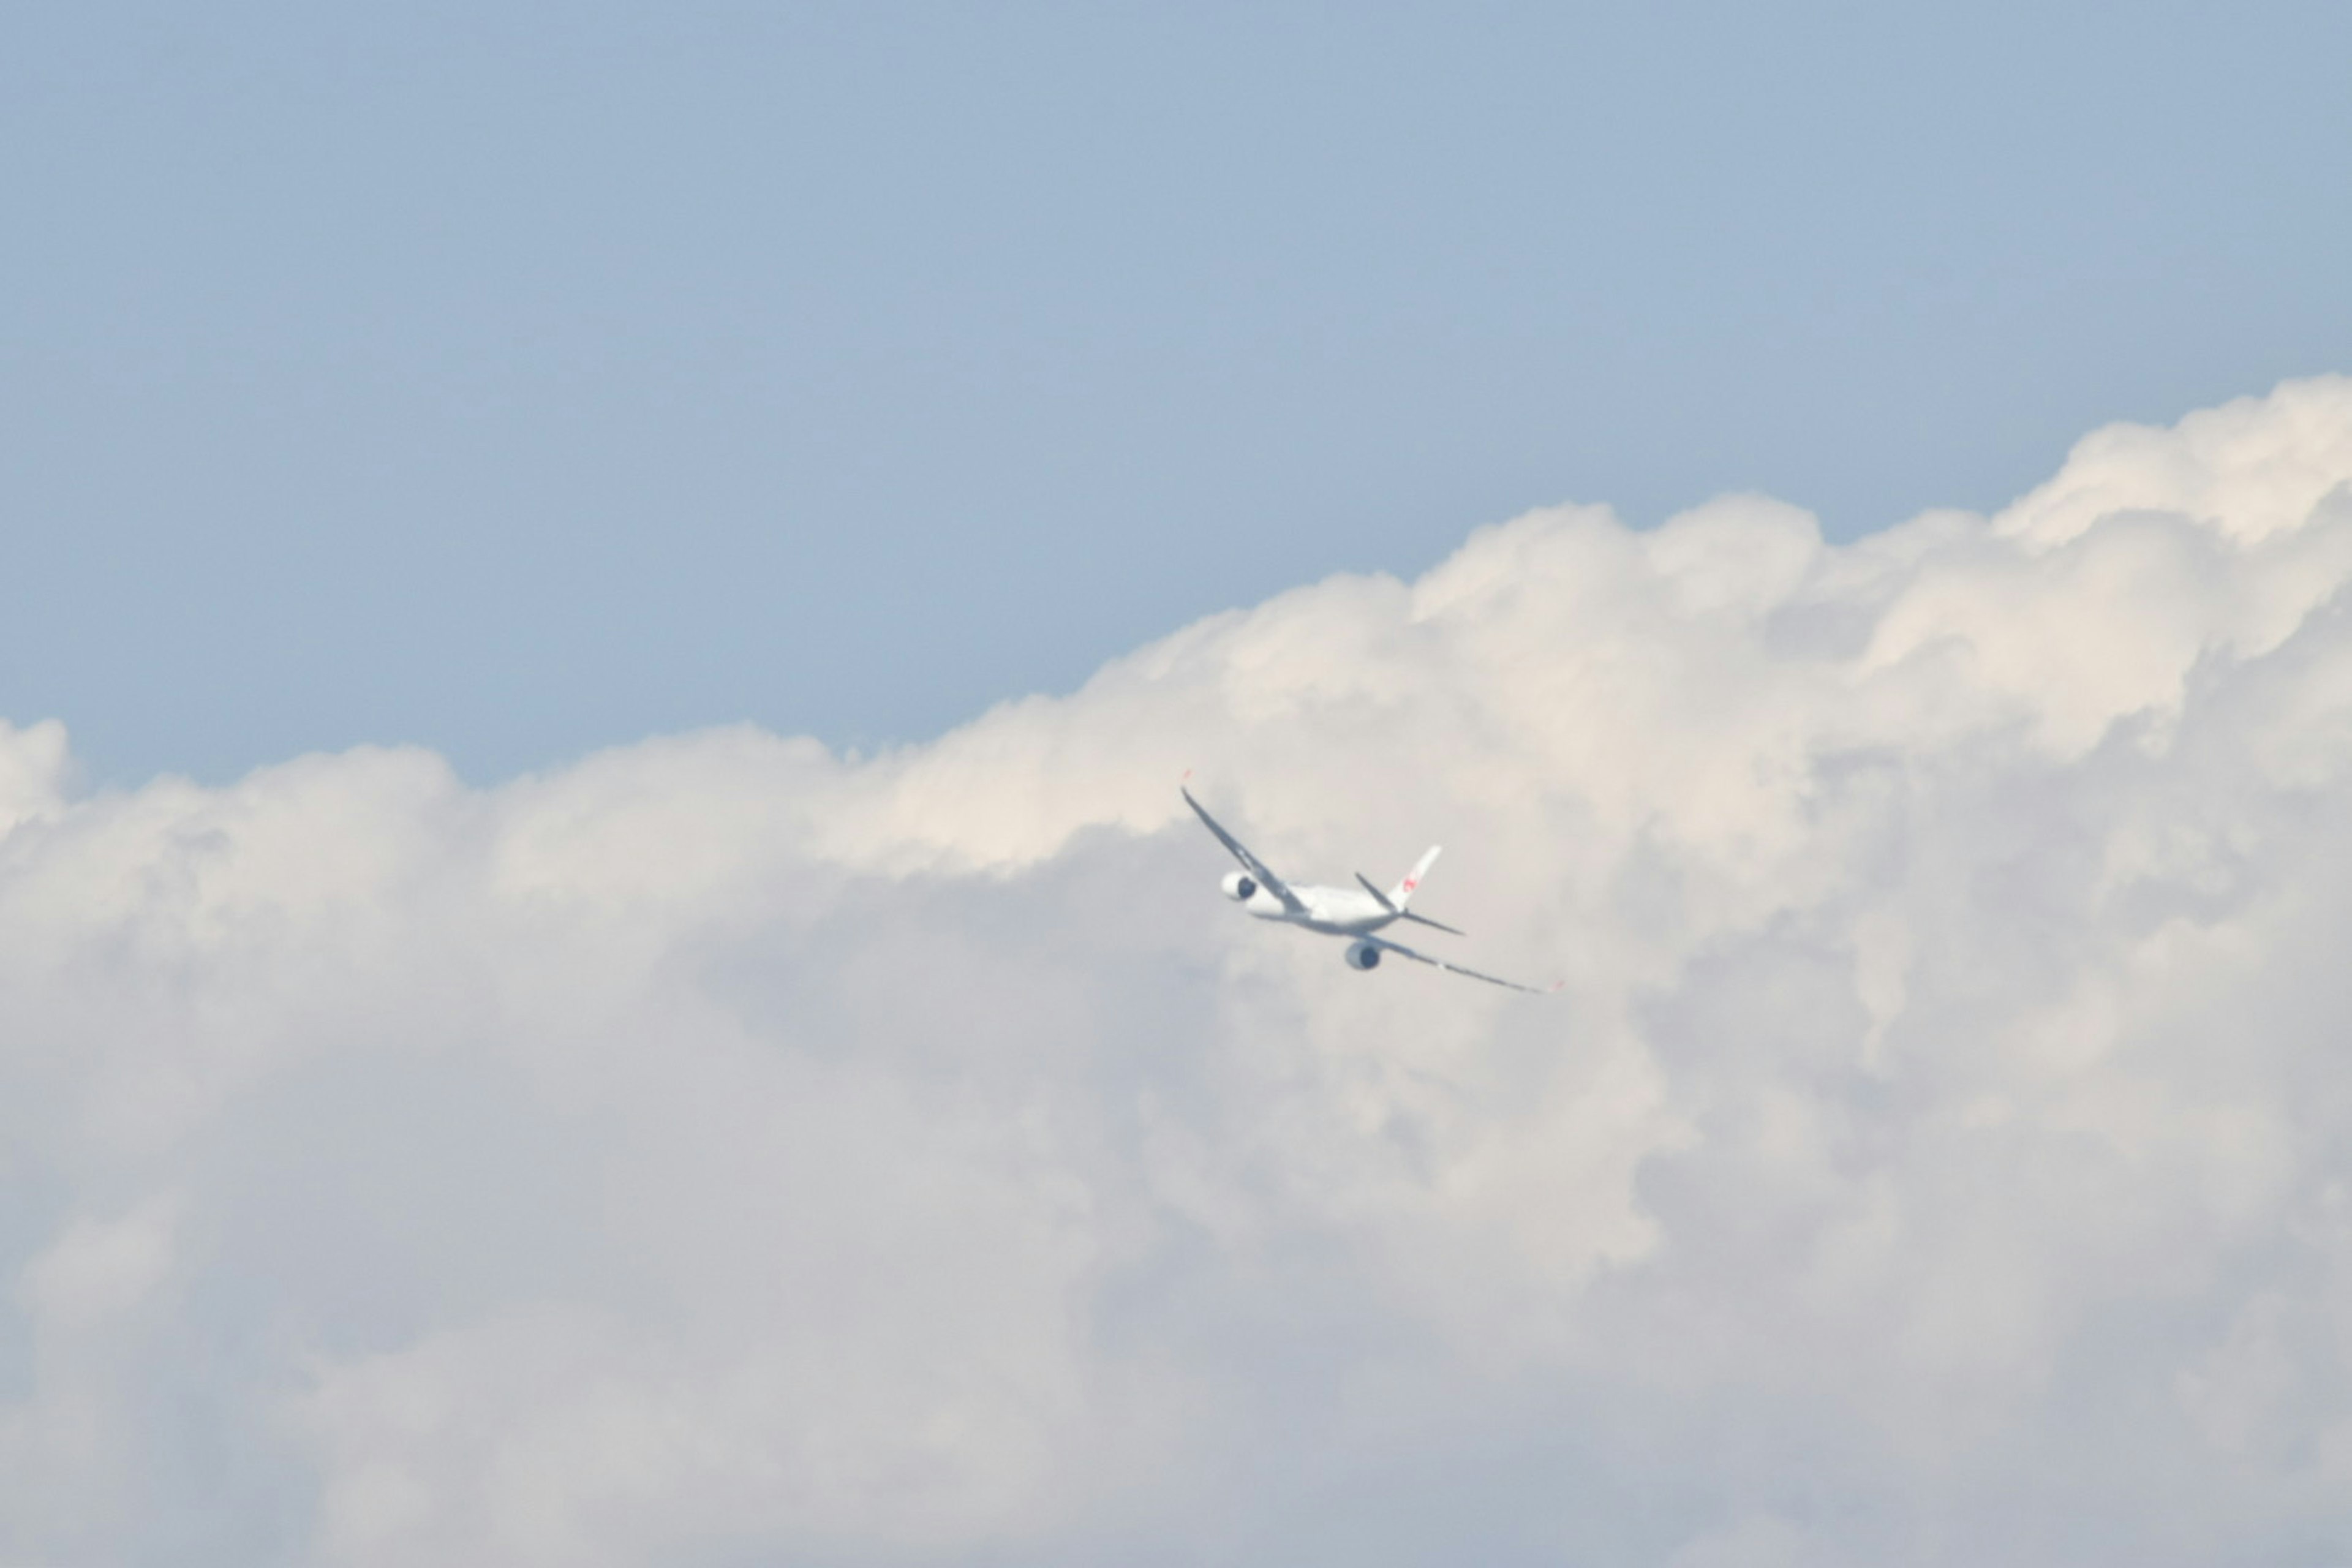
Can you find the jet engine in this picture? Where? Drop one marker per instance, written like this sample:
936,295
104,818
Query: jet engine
1363,955
1239,888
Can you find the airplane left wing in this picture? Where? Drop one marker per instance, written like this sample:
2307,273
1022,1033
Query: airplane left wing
1403,952
1250,863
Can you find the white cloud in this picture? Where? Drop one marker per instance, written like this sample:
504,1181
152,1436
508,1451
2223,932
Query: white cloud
99,1269
725,1150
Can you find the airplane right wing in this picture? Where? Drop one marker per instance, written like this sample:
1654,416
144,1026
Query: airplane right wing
1403,952
1250,863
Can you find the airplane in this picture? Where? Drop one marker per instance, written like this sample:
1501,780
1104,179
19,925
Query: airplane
1339,911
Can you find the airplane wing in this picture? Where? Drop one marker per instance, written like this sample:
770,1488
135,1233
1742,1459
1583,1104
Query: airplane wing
1403,952
1250,863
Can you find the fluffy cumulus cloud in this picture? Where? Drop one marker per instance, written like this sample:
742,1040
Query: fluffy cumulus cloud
724,1151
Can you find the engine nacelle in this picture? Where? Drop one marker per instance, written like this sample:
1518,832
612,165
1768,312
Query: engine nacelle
1363,955
1239,887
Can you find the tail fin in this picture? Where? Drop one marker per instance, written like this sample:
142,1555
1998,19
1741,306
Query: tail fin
1401,894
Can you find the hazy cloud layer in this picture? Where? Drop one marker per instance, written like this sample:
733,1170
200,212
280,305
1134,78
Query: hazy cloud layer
726,1152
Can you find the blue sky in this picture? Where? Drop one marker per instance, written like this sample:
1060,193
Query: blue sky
720,1148
521,381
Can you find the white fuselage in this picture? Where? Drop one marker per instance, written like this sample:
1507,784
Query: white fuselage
1334,911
